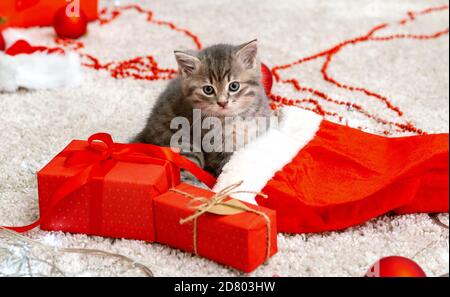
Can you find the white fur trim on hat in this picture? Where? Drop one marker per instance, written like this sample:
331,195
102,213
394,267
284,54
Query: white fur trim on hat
39,71
257,163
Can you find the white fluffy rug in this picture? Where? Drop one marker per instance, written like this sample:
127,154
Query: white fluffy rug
414,74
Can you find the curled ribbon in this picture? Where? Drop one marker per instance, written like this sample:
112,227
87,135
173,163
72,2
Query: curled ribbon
101,156
218,204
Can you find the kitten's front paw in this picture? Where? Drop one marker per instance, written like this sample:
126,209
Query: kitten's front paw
189,178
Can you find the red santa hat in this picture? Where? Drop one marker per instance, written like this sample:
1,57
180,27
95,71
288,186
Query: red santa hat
321,176
31,67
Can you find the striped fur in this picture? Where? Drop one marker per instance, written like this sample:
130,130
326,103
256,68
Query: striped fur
217,66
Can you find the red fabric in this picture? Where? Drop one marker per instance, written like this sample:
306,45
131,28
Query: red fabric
23,47
24,4
104,188
267,78
2,42
239,240
30,13
345,177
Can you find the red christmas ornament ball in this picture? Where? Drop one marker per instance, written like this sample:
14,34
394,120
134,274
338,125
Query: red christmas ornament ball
395,266
2,42
267,78
69,24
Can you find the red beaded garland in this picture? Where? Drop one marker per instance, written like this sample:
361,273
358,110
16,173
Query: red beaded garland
146,67
330,53
139,68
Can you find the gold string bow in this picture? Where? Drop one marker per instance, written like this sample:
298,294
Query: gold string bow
217,205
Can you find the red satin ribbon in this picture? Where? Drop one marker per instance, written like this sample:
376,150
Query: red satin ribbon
101,157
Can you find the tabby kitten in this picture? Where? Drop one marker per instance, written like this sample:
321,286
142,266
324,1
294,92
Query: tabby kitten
222,81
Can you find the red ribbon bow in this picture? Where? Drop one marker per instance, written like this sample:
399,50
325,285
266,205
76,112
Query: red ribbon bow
101,157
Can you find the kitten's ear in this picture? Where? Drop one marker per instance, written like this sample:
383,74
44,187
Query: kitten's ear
247,53
187,63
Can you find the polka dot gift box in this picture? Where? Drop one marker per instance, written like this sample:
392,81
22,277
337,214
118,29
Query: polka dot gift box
98,187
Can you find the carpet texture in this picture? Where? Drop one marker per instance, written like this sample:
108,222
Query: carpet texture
412,73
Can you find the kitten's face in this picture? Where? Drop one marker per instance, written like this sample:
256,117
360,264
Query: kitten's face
221,80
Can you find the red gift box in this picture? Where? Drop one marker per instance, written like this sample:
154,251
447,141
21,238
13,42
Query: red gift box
29,13
244,240
115,204
103,188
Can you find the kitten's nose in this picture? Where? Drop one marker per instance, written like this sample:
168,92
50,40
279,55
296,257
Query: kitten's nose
222,104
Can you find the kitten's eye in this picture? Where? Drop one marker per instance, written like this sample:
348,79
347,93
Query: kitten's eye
234,86
208,90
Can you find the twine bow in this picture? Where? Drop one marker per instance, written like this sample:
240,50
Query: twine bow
218,204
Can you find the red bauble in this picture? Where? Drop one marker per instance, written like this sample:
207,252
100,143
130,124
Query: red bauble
2,42
70,25
267,78
395,266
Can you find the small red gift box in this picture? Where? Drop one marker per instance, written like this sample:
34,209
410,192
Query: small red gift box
243,240
29,13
